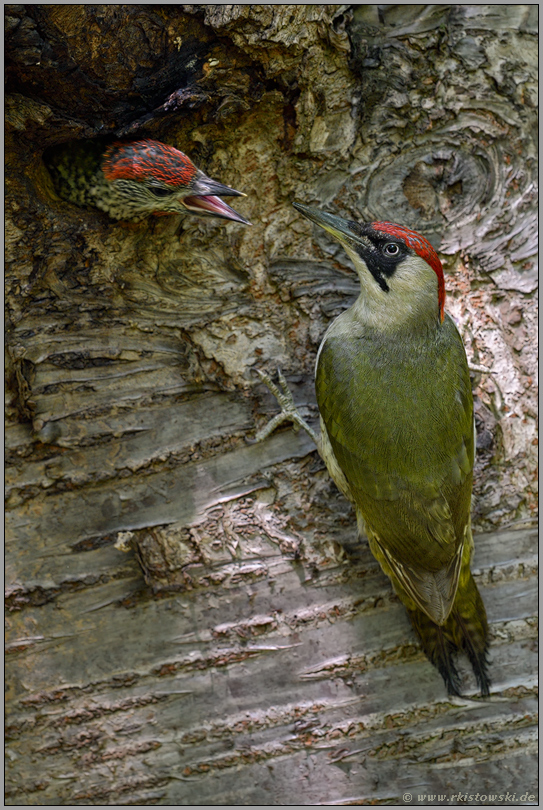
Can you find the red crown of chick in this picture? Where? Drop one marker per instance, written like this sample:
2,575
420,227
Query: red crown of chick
140,160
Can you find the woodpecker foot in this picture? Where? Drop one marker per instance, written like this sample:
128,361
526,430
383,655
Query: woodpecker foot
289,412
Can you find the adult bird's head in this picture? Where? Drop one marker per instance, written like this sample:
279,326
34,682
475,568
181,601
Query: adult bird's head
148,177
400,273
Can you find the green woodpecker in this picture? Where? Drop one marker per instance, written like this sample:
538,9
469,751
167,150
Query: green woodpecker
397,434
131,180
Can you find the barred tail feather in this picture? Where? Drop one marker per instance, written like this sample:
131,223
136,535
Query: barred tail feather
466,630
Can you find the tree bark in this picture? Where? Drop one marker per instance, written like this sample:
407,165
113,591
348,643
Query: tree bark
191,618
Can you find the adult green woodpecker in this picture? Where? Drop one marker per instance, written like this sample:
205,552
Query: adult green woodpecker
131,180
397,434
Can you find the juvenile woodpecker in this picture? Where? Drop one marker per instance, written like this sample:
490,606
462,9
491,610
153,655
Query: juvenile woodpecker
397,434
135,179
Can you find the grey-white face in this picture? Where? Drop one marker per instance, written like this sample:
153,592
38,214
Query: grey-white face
394,296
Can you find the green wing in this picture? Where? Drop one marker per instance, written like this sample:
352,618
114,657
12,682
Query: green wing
399,419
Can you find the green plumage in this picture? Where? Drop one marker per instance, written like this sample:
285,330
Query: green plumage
408,459
398,416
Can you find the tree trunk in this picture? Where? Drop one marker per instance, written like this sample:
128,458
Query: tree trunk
191,618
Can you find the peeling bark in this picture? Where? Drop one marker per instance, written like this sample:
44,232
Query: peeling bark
191,619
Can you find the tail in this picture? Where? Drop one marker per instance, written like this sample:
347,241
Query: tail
465,630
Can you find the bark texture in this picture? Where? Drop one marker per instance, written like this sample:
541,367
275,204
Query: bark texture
191,619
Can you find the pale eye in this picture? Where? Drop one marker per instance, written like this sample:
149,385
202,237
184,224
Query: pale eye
391,249
161,192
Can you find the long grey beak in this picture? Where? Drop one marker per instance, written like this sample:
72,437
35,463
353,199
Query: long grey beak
334,225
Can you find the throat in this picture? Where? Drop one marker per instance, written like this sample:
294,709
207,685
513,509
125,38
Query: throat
391,315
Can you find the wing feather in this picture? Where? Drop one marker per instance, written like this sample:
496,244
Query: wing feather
405,459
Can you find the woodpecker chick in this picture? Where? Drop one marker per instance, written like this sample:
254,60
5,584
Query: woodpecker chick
132,180
397,434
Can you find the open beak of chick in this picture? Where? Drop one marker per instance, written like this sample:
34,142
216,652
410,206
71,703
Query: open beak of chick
205,199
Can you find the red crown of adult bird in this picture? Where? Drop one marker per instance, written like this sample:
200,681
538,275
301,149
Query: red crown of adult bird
135,179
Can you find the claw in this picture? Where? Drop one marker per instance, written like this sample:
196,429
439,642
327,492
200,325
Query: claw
289,412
